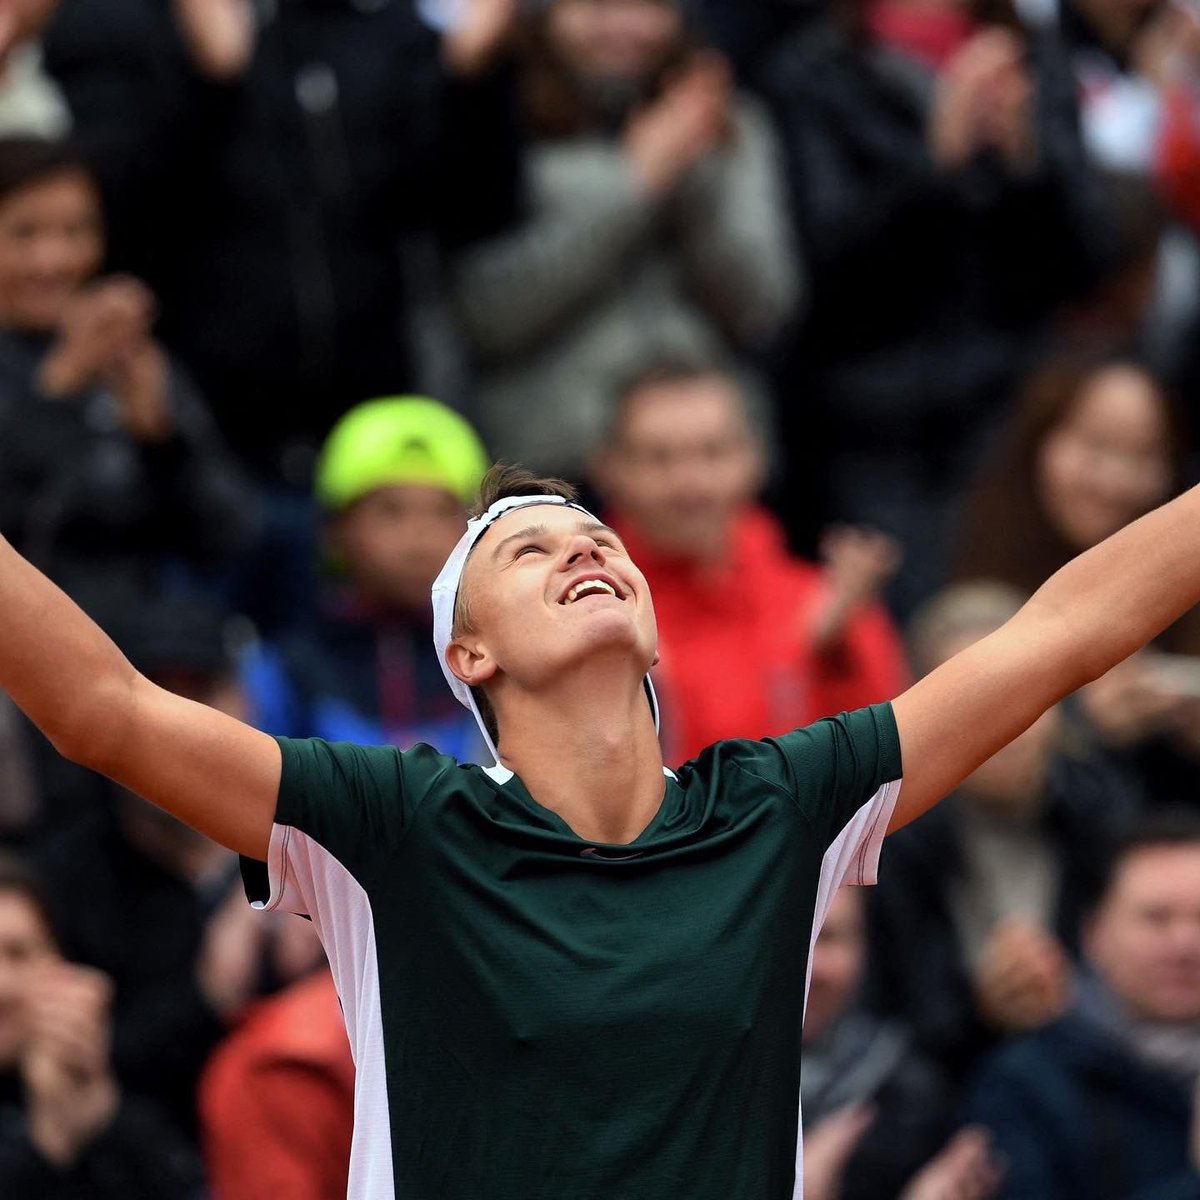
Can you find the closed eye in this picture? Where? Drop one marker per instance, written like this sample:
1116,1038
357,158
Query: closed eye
526,549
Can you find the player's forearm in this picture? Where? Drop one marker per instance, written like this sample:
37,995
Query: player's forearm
1116,597
62,670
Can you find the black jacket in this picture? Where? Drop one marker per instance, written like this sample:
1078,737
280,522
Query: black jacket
137,1157
1076,1118
99,512
117,909
873,1062
268,212
928,289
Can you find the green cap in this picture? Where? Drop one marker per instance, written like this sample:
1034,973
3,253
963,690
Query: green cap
399,439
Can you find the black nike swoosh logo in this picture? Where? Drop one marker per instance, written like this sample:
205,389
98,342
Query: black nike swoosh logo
592,852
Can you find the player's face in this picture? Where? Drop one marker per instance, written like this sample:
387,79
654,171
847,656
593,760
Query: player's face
1145,939
25,944
50,245
547,588
1108,462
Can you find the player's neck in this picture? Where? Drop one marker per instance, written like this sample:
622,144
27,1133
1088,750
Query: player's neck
588,752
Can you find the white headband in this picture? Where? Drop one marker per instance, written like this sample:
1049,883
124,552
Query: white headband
445,598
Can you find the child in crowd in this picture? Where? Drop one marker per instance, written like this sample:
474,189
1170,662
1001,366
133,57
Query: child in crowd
754,641
394,479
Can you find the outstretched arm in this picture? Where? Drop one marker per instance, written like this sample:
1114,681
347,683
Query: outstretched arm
218,775
1096,611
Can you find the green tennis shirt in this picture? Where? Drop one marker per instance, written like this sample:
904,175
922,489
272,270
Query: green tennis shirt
537,1017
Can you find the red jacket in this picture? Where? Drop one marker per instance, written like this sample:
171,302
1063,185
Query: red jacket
277,1100
736,647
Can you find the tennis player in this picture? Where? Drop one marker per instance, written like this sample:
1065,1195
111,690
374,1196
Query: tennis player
575,975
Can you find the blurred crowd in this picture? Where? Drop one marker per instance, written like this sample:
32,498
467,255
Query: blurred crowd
855,318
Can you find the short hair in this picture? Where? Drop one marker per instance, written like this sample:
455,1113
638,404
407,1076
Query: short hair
501,482
18,878
680,369
509,479
1173,826
26,161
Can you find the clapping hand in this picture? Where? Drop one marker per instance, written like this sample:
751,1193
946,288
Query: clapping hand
984,100
70,1089
1023,977
691,118
965,1169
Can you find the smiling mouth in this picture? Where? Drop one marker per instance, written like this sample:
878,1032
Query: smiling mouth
590,587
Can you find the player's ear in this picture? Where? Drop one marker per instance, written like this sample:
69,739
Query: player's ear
470,661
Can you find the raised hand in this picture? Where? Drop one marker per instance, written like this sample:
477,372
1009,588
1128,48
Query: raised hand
104,322
1023,978
472,47
984,98
220,35
828,1146
664,140
70,1089
965,1169
1167,49
859,562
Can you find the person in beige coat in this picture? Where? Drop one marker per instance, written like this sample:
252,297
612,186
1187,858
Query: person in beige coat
656,227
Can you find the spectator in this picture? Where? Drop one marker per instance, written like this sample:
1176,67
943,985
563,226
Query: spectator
199,955
1102,1104
655,225
1134,62
1137,71
753,640
947,210
67,1129
975,923
277,1100
109,466
860,1073
30,101
318,185
394,479
1093,444
286,143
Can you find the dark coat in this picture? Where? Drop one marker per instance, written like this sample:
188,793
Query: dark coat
917,972
99,512
1076,1118
268,213
875,1063
929,290
138,1157
119,910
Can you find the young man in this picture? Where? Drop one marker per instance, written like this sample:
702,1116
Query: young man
575,974
754,641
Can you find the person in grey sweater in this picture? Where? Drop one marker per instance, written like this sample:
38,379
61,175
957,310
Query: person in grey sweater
656,226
